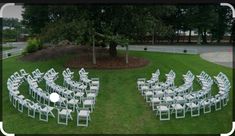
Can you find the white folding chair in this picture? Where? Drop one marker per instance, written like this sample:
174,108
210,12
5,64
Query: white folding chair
179,110
64,114
163,110
45,110
83,114
194,108
88,103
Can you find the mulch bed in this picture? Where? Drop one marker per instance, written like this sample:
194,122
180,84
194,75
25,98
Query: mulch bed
106,62
82,57
54,52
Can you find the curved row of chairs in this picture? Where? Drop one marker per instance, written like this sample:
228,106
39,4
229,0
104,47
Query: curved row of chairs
166,99
80,99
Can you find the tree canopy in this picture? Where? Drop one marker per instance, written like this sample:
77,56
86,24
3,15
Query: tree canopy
120,24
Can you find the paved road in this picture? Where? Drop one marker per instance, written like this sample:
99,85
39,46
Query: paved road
221,58
18,45
19,48
218,54
194,49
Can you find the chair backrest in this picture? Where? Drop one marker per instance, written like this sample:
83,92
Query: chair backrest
23,72
38,71
17,74
65,74
34,73
69,71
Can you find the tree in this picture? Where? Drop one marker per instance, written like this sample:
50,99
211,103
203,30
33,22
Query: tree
121,22
13,29
223,23
35,17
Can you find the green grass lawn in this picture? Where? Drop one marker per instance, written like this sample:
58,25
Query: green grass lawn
4,48
120,108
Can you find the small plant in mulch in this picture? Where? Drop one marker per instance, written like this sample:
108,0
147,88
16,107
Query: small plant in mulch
33,45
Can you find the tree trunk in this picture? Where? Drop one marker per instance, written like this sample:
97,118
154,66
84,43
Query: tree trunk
153,37
183,36
204,39
189,36
127,61
178,37
93,50
232,37
113,49
218,40
199,37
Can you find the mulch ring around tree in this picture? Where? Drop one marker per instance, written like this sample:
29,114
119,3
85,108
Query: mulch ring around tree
54,52
106,62
82,57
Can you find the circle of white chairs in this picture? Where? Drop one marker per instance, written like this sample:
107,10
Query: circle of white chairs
74,96
165,98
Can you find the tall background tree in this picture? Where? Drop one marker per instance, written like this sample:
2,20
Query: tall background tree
121,24
117,24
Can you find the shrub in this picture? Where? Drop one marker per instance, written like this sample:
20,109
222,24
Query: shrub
33,45
185,51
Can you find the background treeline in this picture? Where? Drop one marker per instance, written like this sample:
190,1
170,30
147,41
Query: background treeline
153,24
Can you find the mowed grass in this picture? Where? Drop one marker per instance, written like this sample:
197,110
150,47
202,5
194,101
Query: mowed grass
120,109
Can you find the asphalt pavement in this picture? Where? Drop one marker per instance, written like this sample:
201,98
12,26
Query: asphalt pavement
219,54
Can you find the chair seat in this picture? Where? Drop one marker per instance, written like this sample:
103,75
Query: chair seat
95,82
82,87
144,88
190,97
88,102
149,93
91,95
205,103
159,92
168,99
94,88
162,108
64,112
177,106
83,113
47,109
179,98
191,105
169,91
79,94
157,87
155,100
140,82
73,101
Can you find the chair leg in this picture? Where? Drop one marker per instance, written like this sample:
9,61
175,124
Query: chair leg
60,122
168,115
225,101
31,115
218,107
197,114
20,107
209,109
181,116
42,119
14,102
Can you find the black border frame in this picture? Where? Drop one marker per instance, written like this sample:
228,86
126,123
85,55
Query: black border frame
68,2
